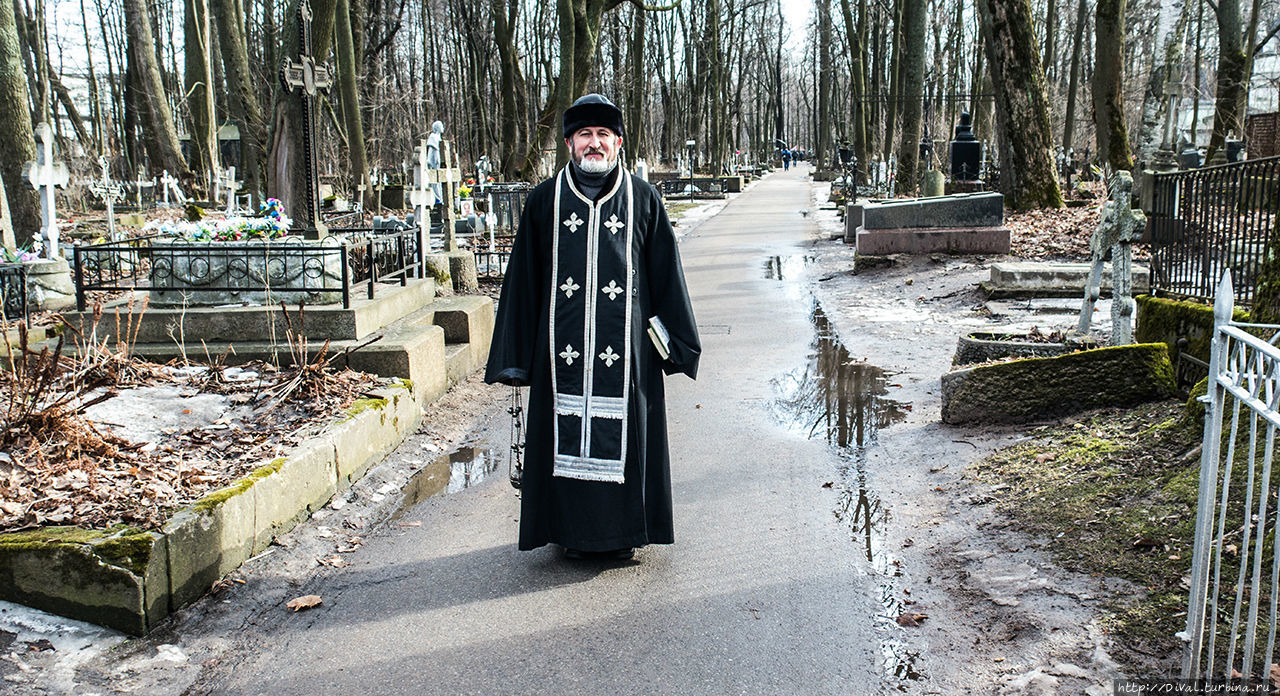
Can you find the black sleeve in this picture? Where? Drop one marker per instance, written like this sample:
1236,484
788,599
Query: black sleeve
668,294
515,330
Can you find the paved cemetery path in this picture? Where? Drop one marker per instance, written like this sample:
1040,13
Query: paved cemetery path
759,594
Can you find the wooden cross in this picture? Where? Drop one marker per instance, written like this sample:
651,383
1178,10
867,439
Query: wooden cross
44,175
1119,225
110,192
310,79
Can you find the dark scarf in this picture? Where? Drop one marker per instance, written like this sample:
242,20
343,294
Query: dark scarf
592,184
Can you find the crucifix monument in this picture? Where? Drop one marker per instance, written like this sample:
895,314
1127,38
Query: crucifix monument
44,174
422,197
110,192
230,186
1119,226
310,79
169,182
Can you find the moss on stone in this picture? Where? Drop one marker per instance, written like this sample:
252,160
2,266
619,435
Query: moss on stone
1036,388
217,498
362,405
1164,320
131,551
49,535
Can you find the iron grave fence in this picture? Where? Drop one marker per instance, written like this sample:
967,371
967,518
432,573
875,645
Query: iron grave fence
1208,221
331,268
1235,565
13,291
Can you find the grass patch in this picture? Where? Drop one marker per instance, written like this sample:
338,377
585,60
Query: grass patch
1114,494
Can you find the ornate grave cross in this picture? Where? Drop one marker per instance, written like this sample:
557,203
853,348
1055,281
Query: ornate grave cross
44,174
110,192
231,186
170,183
1119,225
311,79
421,196
449,177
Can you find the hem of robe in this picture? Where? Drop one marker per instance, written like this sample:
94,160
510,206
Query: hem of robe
597,545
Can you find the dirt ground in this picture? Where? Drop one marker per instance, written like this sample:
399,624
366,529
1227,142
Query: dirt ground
988,611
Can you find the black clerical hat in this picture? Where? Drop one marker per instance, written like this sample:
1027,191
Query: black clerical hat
592,110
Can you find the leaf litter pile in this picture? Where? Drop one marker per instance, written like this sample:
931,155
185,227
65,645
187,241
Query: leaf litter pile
58,467
1062,234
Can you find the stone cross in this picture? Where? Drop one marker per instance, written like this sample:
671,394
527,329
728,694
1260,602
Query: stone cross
170,183
1119,225
231,186
450,177
110,192
360,189
421,197
44,175
139,184
310,79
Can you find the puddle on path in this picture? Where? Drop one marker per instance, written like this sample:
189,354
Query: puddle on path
790,271
448,473
845,402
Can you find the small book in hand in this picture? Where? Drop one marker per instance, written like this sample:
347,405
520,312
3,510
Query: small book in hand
661,339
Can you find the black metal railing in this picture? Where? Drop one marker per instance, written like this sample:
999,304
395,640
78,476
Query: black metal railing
703,187
341,262
13,291
492,256
1205,221
506,204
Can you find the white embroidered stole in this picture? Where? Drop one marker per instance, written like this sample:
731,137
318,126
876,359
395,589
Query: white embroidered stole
590,336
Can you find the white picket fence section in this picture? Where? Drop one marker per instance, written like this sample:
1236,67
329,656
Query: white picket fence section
1231,626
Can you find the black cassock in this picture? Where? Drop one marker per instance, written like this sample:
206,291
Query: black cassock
584,280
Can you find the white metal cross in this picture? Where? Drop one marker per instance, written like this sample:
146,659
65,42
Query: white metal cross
421,196
44,175
170,183
230,185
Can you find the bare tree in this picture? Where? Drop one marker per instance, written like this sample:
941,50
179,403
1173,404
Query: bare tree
17,139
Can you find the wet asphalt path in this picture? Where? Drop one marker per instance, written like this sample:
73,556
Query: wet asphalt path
761,592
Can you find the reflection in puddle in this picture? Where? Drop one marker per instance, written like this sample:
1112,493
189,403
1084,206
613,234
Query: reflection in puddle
448,473
835,396
843,401
785,267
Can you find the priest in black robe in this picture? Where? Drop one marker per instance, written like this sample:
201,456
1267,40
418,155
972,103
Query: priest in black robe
594,310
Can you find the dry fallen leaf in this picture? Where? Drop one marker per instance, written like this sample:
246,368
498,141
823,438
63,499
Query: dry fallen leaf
1042,458
828,484
304,602
911,619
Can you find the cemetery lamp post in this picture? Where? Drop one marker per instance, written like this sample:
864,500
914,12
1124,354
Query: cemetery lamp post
690,144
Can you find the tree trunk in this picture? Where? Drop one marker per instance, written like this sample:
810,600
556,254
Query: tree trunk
1050,40
1108,86
1155,103
287,178
895,82
1026,176
161,135
17,138
1073,84
911,89
856,85
1231,76
199,90
505,14
823,145
638,88
241,95
347,73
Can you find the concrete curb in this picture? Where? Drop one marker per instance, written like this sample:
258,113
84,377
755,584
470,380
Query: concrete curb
131,580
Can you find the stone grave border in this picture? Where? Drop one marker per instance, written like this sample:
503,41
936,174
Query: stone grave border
130,580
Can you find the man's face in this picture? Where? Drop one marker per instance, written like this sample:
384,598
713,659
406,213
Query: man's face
594,148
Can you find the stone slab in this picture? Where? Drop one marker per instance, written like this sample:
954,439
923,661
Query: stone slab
466,319
208,540
1042,388
957,211
377,425
914,240
260,323
114,580
303,481
1024,278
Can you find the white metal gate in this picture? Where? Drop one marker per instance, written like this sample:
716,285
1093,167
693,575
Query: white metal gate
1232,607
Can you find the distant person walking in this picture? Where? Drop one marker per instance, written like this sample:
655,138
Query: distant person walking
594,271
786,159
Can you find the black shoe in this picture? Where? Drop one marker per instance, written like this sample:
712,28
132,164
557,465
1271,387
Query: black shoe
624,554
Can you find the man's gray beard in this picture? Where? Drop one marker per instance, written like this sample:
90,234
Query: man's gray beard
594,166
